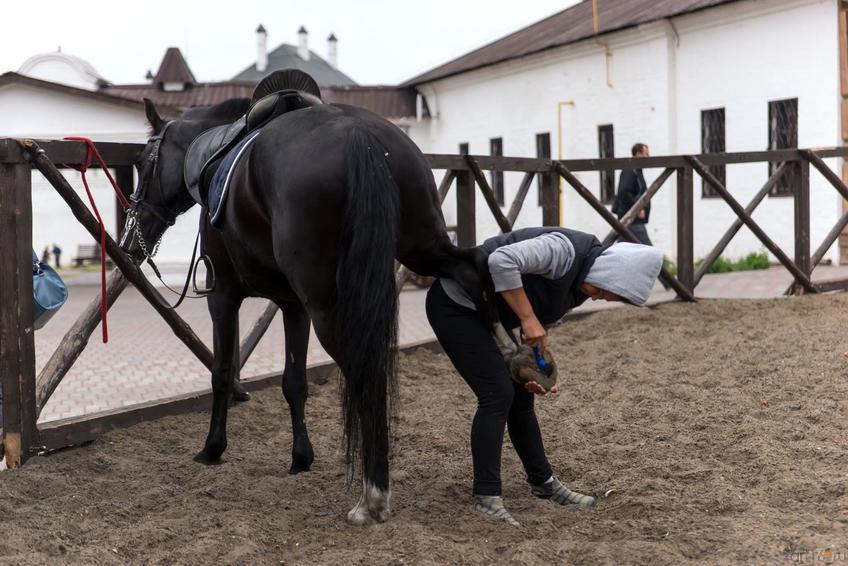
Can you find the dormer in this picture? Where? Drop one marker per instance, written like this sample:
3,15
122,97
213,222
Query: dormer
174,73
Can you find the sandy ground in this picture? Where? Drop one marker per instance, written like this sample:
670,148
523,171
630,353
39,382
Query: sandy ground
720,426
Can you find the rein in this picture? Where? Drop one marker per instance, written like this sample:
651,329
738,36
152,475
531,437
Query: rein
91,151
191,276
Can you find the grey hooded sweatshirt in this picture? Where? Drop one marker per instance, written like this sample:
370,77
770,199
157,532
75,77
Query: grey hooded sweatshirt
564,258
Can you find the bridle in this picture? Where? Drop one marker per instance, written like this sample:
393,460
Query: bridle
138,199
165,215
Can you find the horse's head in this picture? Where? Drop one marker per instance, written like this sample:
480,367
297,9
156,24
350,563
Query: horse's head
161,194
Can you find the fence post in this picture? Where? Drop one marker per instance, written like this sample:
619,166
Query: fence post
685,228
550,199
466,223
17,342
124,178
802,222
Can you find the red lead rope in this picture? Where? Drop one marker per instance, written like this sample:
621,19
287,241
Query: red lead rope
91,151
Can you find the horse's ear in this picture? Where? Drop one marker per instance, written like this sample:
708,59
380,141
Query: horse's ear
156,121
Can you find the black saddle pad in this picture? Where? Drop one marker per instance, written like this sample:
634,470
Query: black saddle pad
221,179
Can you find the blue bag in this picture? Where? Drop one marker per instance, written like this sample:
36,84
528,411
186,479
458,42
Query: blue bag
48,292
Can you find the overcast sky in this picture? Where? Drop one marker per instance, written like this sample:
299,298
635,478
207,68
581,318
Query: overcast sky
380,41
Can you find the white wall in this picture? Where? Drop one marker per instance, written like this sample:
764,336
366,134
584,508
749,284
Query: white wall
27,111
44,113
767,51
738,56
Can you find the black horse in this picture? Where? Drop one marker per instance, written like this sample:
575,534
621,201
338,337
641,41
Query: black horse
320,205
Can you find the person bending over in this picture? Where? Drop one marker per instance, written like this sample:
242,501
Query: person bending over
539,274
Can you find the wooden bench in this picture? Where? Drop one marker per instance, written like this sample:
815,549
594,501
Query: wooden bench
88,253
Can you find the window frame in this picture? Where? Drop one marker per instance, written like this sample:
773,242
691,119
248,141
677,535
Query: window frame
784,138
714,140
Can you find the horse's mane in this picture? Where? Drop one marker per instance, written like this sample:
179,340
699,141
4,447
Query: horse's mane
231,110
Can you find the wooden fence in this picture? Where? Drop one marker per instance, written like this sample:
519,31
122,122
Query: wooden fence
25,394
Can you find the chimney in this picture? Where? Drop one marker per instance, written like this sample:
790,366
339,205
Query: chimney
333,51
302,44
261,48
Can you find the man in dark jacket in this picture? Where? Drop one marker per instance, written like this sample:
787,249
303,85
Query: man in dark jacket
631,186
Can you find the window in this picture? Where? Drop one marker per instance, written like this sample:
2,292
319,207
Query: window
712,141
543,151
496,148
606,150
463,148
783,134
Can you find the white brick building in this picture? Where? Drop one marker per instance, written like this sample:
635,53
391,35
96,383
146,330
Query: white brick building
650,73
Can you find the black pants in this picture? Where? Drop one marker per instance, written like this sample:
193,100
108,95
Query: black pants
640,230
500,401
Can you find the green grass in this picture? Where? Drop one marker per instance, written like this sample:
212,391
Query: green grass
752,261
669,265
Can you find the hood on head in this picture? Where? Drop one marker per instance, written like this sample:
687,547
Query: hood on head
628,270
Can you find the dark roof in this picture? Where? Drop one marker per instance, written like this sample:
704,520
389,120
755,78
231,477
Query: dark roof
102,95
569,26
285,57
332,37
387,101
174,68
200,94
260,29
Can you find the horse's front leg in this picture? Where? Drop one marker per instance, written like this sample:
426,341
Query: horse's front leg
295,387
224,311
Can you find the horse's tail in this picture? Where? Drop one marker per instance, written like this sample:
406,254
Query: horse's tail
367,302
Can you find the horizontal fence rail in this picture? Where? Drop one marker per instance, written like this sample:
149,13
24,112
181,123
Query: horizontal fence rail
26,394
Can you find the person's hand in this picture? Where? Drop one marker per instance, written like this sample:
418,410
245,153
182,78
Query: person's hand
642,214
536,387
533,333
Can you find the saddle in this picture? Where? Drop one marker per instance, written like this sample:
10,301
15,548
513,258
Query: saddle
214,153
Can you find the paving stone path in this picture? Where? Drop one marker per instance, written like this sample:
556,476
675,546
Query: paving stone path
144,361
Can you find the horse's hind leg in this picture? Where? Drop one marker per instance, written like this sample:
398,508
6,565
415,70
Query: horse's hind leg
373,430
374,503
295,388
224,310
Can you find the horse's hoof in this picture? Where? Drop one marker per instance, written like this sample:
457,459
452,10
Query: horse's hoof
373,506
301,463
204,458
240,394
302,457
361,516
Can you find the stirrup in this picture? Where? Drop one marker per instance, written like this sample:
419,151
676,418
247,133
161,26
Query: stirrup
210,268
